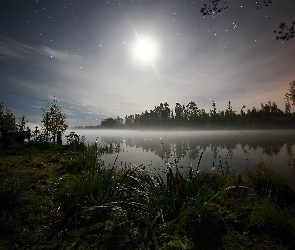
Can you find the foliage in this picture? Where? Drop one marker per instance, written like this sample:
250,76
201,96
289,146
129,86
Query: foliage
7,121
11,131
176,210
212,7
269,186
190,116
98,184
291,92
60,199
76,141
286,32
53,121
272,204
151,204
111,122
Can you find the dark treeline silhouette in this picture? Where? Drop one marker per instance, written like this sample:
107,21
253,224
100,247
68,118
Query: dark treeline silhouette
189,116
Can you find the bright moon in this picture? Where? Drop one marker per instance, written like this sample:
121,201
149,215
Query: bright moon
145,50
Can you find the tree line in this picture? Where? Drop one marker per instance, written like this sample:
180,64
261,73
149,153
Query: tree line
190,116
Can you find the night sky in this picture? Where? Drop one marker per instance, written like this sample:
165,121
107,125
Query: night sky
85,53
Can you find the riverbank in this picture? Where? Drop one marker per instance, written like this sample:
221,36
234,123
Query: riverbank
63,198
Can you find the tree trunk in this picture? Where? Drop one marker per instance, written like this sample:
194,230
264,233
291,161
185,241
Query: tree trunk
59,141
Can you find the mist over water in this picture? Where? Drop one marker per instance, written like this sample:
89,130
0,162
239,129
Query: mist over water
236,151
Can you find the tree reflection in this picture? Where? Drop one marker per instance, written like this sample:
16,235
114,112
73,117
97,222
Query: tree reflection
175,147
291,158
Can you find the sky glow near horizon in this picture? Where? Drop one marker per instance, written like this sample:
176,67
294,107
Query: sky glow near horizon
83,53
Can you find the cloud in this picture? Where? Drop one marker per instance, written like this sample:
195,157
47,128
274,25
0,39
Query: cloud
59,55
10,48
102,79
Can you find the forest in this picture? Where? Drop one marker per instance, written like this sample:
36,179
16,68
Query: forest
189,116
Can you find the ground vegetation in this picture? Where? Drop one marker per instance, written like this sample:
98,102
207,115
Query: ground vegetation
64,197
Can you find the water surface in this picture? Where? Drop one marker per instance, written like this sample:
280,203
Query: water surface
237,152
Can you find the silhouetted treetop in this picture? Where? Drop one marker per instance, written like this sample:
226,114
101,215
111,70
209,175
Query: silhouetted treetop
216,6
286,32
211,7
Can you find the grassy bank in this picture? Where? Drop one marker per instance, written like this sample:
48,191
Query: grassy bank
65,198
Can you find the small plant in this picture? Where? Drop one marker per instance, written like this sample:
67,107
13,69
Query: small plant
267,184
266,213
99,185
76,141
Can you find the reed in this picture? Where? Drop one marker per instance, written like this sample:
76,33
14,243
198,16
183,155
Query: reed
71,200
153,203
99,185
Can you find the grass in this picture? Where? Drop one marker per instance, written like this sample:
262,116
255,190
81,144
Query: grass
66,198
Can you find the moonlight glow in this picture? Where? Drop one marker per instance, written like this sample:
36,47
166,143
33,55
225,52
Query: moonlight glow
104,59
145,50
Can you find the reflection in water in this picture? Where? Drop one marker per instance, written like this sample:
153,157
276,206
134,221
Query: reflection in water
239,151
